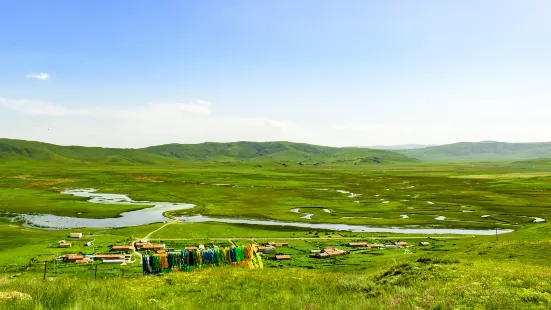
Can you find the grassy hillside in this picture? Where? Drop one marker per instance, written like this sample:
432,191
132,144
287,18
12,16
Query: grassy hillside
275,151
489,150
19,150
482,273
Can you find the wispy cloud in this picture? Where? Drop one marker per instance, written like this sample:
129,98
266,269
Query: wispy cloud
39,76
196,121
155,111
140,125
36,107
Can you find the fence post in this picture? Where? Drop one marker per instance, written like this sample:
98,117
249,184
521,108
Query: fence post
45,269
96,272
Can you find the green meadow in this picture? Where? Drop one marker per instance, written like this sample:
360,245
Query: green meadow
508,271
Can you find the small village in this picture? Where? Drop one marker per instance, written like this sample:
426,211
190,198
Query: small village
133,253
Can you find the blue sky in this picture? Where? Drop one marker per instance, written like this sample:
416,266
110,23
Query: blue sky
136,73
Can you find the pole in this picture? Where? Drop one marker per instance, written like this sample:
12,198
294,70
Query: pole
96,272
496,234
45,269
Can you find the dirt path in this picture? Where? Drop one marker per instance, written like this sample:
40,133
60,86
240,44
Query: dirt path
158,229
136,252
146,238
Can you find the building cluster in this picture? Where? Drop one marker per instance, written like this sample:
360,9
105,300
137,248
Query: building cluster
122,254
398,244
120,259
65,244
327,252
144,246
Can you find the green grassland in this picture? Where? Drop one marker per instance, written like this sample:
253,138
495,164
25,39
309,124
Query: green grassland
509,194
534,163
454,272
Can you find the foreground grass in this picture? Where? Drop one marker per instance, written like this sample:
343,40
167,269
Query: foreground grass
425,283
478,273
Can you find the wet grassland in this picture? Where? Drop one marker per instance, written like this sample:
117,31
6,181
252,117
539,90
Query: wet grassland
427,195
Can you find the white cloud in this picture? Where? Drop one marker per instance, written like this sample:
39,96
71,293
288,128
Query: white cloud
194,122
137,126
39,76
165,111
35,107
159,111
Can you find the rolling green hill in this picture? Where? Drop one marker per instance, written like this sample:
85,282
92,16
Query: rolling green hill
20,150
488,150
17,150
275,151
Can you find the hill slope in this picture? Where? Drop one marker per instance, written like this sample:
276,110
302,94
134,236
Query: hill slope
488,150
398,147
20,150
274,151
17,150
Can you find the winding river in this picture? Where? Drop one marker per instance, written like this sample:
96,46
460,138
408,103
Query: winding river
154,214
131,218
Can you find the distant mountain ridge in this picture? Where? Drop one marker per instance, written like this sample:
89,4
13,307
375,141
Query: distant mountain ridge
485,150
398,147
280,151
274,151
